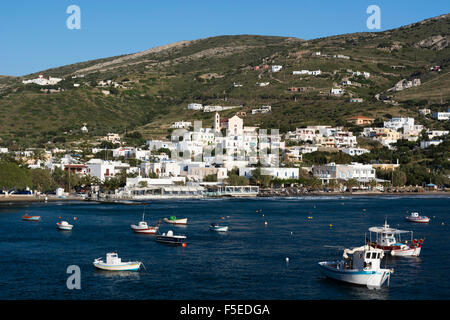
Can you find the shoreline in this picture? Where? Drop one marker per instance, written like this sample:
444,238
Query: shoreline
31,198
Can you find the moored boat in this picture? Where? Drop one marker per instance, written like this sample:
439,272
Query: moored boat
217,228
359,266
170,238
114,263
174,220
27,217
64,225
415,217
389,240
143,227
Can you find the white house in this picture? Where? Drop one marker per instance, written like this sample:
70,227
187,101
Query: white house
355,151
195,106
278,173
426,144
181,124
397,123
337,91
441,115
276,68
105,169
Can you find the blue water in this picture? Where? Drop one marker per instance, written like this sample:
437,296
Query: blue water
248,262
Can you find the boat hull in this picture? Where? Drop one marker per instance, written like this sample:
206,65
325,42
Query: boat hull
65,228
219,229
31,218
177,221
418,220
371,278
129,266
411,252
149,230
399,251
170,240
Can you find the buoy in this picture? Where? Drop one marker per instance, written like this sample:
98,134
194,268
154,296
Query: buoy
263,215
291,233
184,245
265,222
59,217
75,218
331,225
287,260
364,209
222,218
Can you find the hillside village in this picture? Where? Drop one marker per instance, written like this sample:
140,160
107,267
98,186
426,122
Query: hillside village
229,159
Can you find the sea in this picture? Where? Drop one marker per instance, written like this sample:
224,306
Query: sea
271,250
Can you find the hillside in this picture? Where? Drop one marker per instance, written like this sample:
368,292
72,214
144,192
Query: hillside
155,86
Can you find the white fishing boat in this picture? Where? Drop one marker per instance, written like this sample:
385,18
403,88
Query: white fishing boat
389,240
143,227
217,228
114,263
174,220
415,217
64,225
360,266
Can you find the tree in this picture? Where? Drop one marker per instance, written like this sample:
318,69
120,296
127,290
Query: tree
13,176
210,178
235,180
42,180
398,178
350,183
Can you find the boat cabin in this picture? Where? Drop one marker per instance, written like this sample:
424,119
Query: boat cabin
112,258
142,224
414,214
386,236
362,258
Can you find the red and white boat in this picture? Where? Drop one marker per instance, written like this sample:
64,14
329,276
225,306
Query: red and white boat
27,217
414,217
143,227
389,239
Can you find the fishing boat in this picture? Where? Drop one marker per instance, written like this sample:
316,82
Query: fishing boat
217,228
27,217
114,263
143,227
174,220
170,238
414,217
359,266
64,225
389,240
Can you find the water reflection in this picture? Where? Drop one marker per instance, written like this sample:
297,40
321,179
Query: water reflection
118,274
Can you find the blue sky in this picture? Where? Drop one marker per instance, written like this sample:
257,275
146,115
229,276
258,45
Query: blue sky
34,35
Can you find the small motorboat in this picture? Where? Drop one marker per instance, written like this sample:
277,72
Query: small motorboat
114,263
143,227
359,266
217,228
64,225
389,240
174,220
170,238
414,217
27,217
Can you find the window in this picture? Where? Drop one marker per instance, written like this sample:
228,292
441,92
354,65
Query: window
368,255
374,255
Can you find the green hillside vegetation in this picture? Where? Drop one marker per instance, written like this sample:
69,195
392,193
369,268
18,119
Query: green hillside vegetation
159,83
